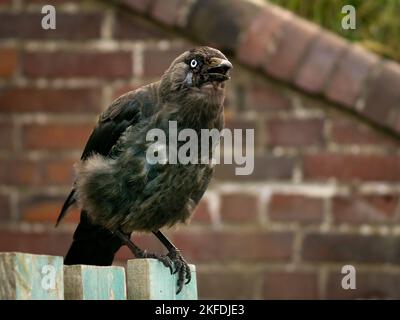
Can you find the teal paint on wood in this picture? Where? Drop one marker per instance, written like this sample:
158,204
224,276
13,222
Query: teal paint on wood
27,276
94,283
161,283
149,279
43,271
103,283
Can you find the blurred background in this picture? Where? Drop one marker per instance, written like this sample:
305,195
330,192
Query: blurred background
324,106
377,29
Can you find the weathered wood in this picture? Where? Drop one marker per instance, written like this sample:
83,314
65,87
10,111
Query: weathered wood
28,276
149,279
83,282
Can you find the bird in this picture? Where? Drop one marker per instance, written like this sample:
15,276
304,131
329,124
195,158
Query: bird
116,188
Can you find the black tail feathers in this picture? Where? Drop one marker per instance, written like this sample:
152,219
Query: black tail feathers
92,244
68,203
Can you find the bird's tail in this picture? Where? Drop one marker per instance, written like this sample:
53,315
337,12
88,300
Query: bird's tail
92,244
67,204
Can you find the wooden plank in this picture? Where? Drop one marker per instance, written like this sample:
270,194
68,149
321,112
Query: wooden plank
26,276
82,282
149,279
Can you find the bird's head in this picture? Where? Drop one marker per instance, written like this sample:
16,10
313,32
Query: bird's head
198,73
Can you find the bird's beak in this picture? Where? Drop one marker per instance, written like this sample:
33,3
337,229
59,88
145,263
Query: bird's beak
218,62
218,69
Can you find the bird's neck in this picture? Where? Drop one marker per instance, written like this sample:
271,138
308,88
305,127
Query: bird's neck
192,113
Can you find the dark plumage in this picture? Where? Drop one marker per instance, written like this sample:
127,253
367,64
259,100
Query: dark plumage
118,190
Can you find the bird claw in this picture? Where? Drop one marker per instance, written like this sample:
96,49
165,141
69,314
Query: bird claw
171,259
164,259
181,267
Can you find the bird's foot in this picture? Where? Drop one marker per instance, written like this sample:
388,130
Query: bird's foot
181,267
174,259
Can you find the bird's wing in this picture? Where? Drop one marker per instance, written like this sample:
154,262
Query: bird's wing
196,196
125,111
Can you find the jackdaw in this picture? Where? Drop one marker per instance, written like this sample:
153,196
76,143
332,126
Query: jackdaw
119,190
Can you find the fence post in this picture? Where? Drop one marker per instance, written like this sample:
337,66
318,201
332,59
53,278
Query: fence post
30,277
84,282
149,279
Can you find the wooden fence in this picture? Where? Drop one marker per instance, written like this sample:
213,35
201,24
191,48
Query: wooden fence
41,277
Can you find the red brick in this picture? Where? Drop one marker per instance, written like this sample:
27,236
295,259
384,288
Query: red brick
58,172
267,98
69,26
383,93
233,122
261,37
347,81
365,209
120,90
228,246
319,62
29,99
285,207
239,207
349,248
237,122
350,133
6,136
19,172
352,167
46,210
227,285
290,285
8,62
297,35
49,242
220,23
295,132
369,285
265,167
132,27
168,12
56,136
157,61
5,207
78,64
202,213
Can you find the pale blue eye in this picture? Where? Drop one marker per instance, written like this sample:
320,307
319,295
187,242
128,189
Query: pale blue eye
193,63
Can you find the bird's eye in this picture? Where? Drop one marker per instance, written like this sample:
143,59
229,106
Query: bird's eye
193,63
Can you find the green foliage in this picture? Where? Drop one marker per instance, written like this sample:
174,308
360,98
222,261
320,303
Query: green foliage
378,21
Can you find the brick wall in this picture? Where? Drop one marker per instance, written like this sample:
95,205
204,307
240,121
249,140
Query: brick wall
324,192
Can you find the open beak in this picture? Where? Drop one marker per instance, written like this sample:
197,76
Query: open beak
219,70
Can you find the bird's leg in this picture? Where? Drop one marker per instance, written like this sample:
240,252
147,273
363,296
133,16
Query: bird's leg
138,253
181,266
143,254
